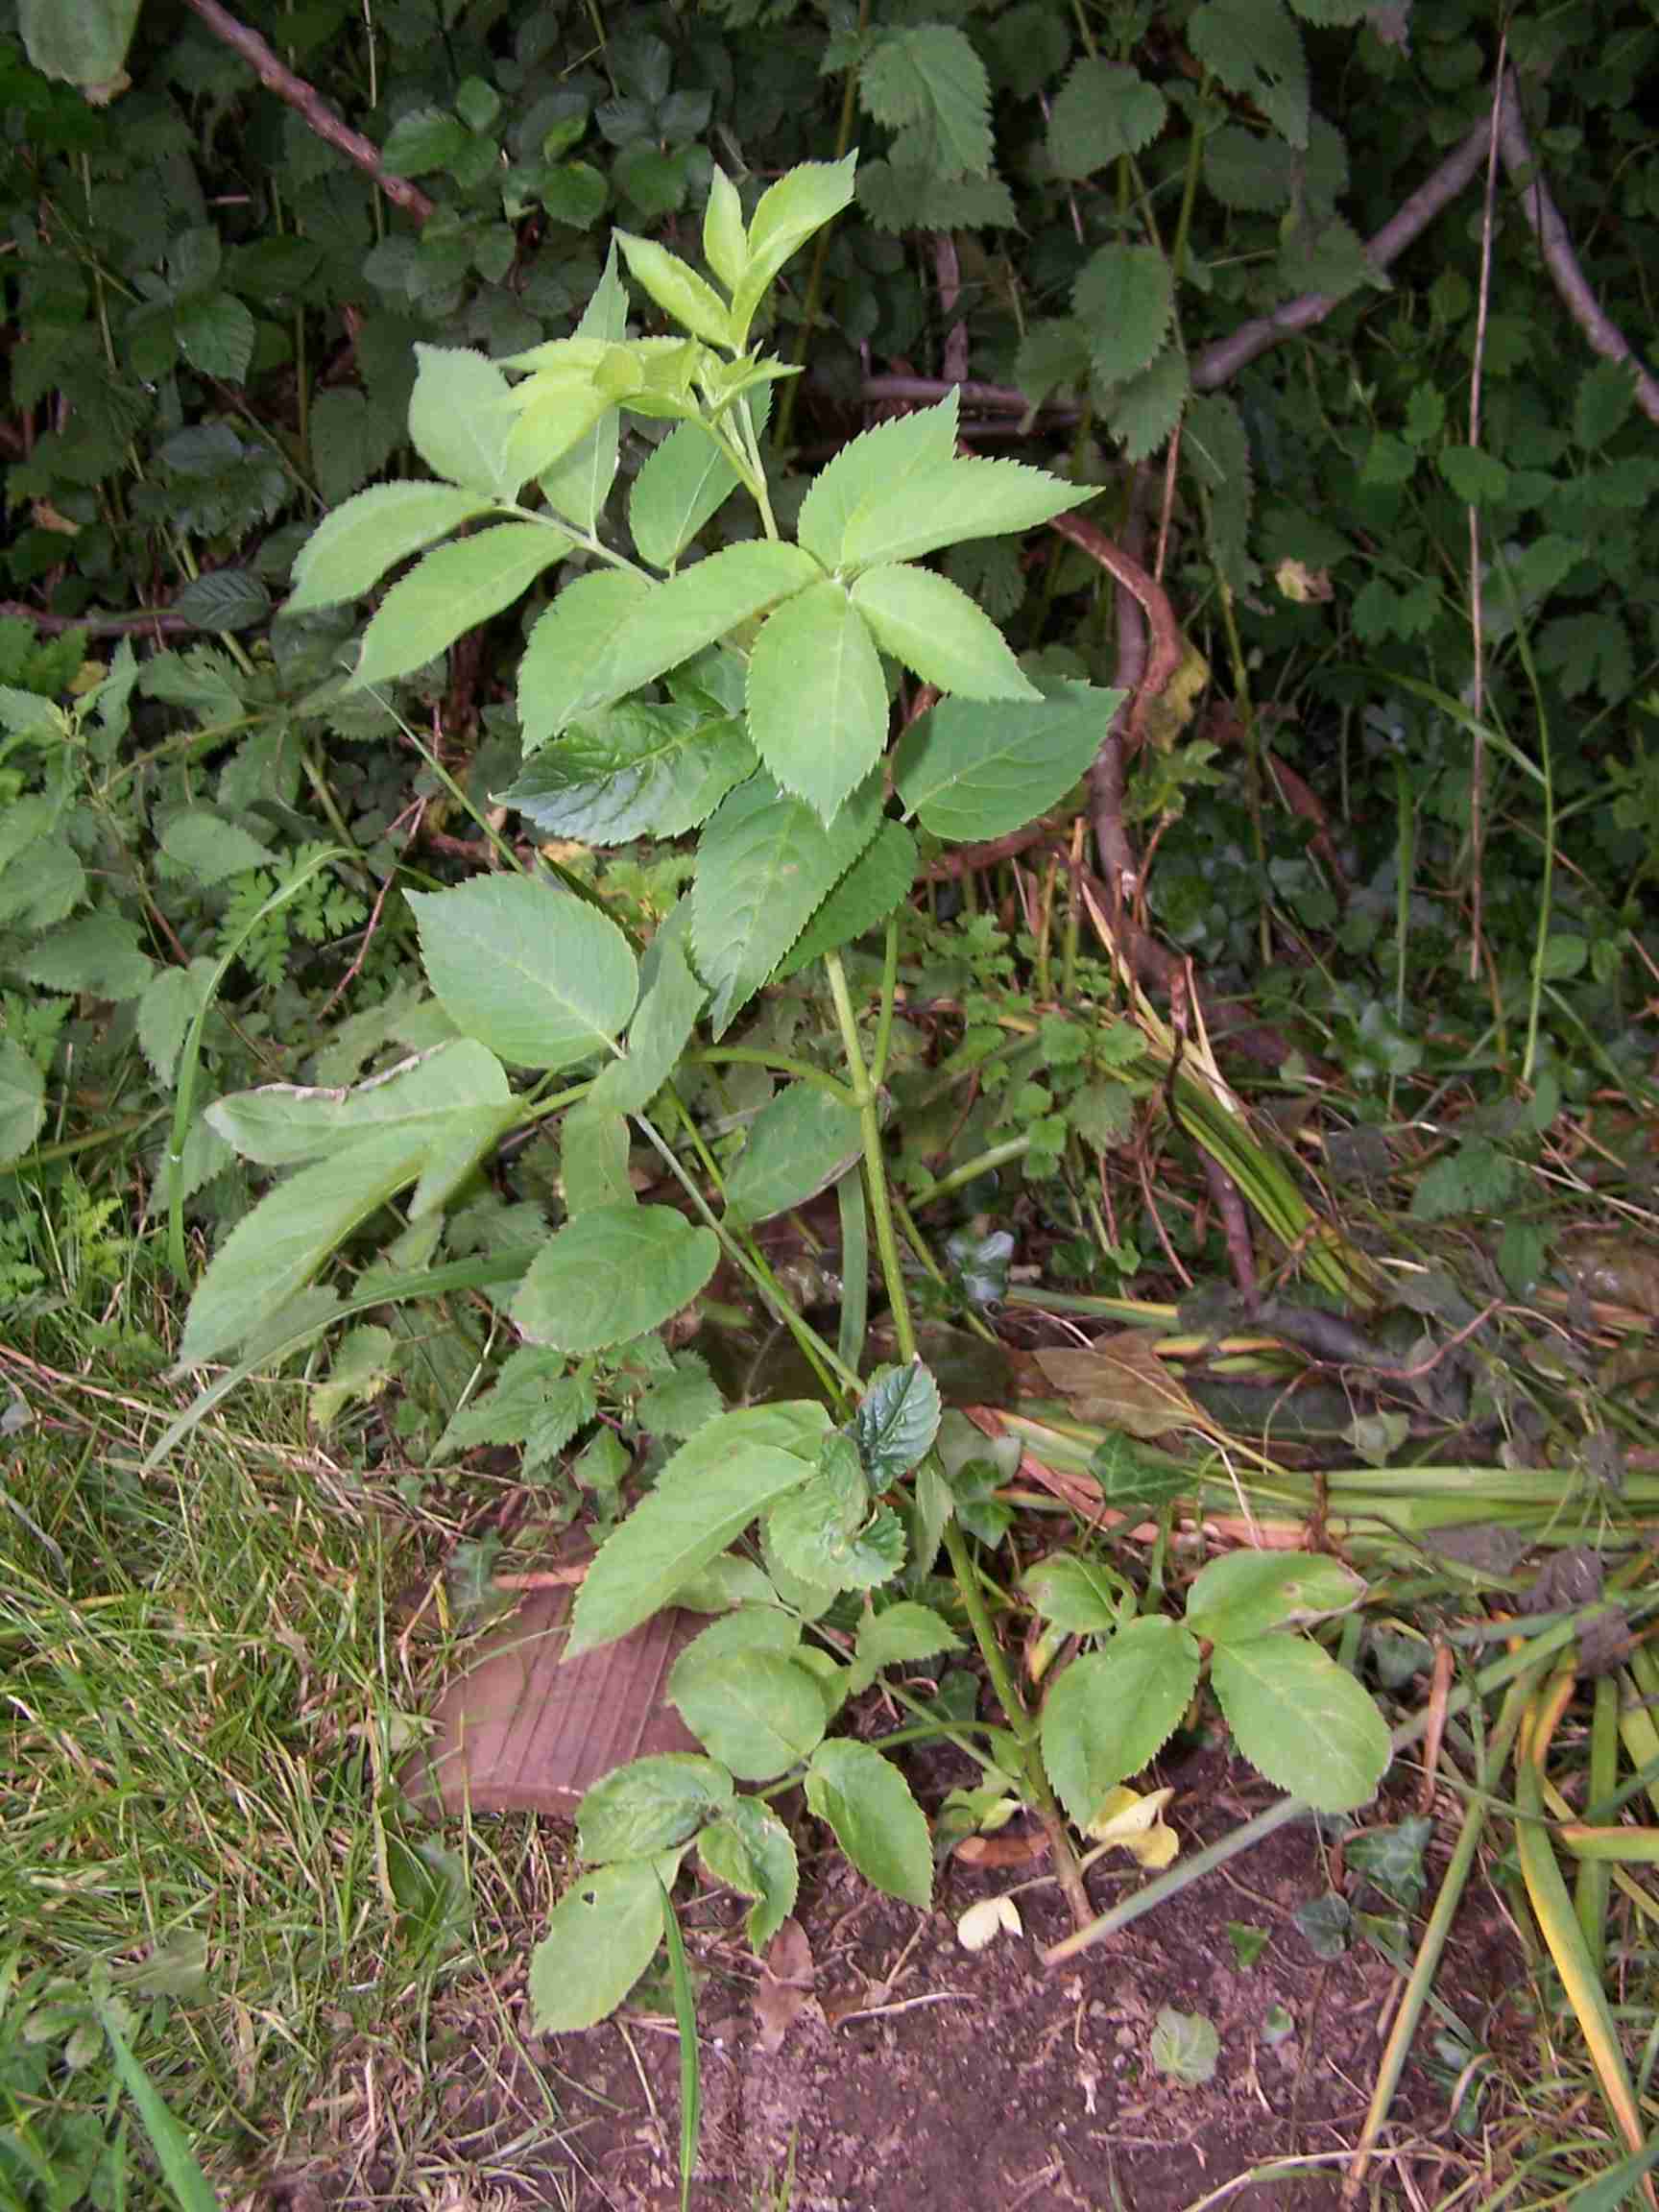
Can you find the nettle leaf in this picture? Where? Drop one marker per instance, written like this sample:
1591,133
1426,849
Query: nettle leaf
171,1002
896,1421
1215,447
635,771
764,864
352,549
460,419
659,1033
681,1402
1602,403
1113,1711
22,1100
210,847
1302,1720
1589,648
734,1468
1051,353
1101,112
274,1251
1253,48
540,976
870,467
868,1805
759,1712
970,771
649,1806
578,484
817,699
1474,475
685,481
533,1403
96,953
601,1937
948,501
934,628
753,1852
613,1273
567,642
930,72
1248,170
898,1637
1123,297
874,887
1245,1594
799,1143
822,1535
450,591
1143,413
803,200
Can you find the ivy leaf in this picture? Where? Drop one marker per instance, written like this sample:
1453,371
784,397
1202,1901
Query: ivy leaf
934,628
1186,2047
635,771
952,501
613,1273
540,976
649,1805
1302,1720
601,1937
1123,297
460,419
801,1141
1253,48
753,1852
352,549
757,1711
817,701
685,481
764,864
896,1421
450,591
1100,113
710,1490
1245,1594
658,1034
22,1100
878,1823
970,771
871,467
875,886
1113,1711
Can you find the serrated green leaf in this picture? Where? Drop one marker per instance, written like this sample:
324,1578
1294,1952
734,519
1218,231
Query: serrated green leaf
216,334
85,43
450,591
799,1142
970,771
633,771
1302,1720
817,703
1144,412
725,236
707,1493
757,1711
685,297
593,1159
460,419
601,1937
1123,297
352,549
1602,403
659,1033
567,641
898,1636
1474,475
896,1421
171,1000
540,976
274,1251
681,1404
1113,1711
578,484
931,71
22,1100
1100,113
613,1273
871,466
1477,1178
1082,1597
282,1124
1243,1594
1051,353
1248,169
766,864
212,848
874,887
42,879
875,1821
753,1852
802,201
952,500
934,629
1215,446
1253,48
685,481
533,1403
821,1534
649,1805
96,953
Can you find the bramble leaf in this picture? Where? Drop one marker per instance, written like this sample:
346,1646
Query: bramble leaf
538,976
878,1823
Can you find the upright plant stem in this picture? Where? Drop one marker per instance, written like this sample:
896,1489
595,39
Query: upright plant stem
866,1098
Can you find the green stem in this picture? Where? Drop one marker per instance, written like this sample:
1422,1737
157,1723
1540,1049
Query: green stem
866,1099
67,1148
752,1056
982,1162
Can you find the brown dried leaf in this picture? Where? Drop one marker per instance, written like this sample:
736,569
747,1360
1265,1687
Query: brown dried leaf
1121,1383
787,1980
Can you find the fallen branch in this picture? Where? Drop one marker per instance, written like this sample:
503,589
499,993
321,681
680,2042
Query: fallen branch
1166,631
309,103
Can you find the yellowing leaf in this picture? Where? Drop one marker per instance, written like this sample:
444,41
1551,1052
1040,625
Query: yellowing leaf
983,1923
1129,1821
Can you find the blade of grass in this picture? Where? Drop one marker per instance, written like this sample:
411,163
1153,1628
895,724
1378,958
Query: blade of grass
167,2139
1594,1881
690,2068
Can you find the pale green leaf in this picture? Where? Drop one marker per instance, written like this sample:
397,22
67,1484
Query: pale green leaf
649,1806
460,418
613,1273
567,640
83,42
578,484
601,1937
871,467
950,502
1244,1594
359,1370
757,1711
934,628
1123,298
765,863
593,1159
817,700
171,1000
212,848
556,416
352,549
685,297
1302,1720
799,1144
1112,1710
274,1251
450,591
657,1035
875,1821
874,885
686,480
1082,1597
724,237
540,976
42,880
970,771
1101,113
281,1123
707,1493
22,1100
802,201
1186,2047
96,953
899,1637
633,771
753,1852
